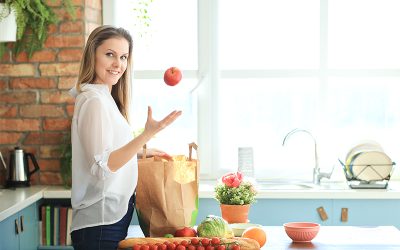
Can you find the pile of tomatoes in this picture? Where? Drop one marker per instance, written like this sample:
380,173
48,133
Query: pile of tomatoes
192,244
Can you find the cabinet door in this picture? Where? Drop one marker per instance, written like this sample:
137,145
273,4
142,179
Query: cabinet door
368,212
276,212
29,237
8,236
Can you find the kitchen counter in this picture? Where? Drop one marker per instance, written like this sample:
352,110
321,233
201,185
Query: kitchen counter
327,190
12,201
328,238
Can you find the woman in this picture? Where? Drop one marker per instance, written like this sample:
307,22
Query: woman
104,163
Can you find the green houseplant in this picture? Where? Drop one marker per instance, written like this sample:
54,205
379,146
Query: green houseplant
66,161
33,18
235,196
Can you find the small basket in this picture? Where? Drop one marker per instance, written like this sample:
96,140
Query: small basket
356,183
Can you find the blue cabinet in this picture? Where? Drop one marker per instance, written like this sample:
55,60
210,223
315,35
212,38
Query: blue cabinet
367,212
275,212
272,212
20,231
8,237
29,237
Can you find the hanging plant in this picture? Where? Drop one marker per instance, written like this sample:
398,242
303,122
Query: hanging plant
33,18
142,16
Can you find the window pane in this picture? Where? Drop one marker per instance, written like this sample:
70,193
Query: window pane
259,113
364,34
276,34
361,108
361,102
164,99
171,37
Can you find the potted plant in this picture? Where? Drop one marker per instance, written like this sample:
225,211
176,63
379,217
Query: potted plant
66,161
235,196
8,24
33,16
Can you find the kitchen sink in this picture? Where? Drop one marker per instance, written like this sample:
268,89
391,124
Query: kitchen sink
301,186
283,186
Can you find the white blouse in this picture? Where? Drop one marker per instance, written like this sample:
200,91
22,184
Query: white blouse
99,195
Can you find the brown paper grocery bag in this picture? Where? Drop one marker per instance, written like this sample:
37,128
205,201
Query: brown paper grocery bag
167,193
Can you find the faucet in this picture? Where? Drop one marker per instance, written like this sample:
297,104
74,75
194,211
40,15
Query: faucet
317,175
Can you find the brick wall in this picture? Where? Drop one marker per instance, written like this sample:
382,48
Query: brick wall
35,107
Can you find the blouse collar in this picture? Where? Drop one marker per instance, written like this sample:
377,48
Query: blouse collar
96,87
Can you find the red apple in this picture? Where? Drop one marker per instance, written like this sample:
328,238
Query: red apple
172,76
185,232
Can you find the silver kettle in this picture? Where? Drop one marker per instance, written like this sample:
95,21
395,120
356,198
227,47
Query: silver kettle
18,168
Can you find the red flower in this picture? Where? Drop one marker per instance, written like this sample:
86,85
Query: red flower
232,179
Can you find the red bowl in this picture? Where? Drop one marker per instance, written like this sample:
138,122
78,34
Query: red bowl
301,231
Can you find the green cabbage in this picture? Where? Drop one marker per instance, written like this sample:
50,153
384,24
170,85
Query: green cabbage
214,226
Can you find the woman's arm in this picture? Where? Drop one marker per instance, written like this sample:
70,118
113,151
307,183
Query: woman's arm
121,156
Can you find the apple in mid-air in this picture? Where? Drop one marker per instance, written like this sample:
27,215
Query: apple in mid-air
172,76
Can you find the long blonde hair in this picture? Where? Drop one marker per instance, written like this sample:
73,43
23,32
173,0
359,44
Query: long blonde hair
121,90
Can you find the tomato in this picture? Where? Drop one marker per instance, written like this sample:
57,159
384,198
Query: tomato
191,247
180,247
153,247
184,243
171,246
205,241
215,241
144,247
209,247
221,247
194,241
200,248
162,247
236,247
136,247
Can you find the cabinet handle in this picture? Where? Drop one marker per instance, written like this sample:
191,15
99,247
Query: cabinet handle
345,214
22,223
322,213
17,228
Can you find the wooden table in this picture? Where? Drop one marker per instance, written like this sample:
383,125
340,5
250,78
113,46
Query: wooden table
328,238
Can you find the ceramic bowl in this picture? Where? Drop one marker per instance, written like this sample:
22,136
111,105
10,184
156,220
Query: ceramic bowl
238,228
301,231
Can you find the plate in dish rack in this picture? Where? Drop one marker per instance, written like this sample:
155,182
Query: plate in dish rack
359,148
371,166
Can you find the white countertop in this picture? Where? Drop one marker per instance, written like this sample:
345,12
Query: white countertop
12,201
330,190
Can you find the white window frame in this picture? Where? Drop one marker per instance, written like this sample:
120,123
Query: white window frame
208,75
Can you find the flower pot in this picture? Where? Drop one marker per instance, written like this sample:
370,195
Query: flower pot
235,213
8,25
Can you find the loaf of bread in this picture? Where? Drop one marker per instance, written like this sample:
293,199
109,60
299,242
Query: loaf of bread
244,243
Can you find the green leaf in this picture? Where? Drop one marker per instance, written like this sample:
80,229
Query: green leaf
33,18
242,195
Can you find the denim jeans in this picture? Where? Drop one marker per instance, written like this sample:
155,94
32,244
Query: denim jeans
105,237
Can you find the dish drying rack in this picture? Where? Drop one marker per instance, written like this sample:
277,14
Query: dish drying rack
355,183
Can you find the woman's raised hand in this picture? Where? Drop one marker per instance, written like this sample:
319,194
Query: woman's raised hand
152,126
